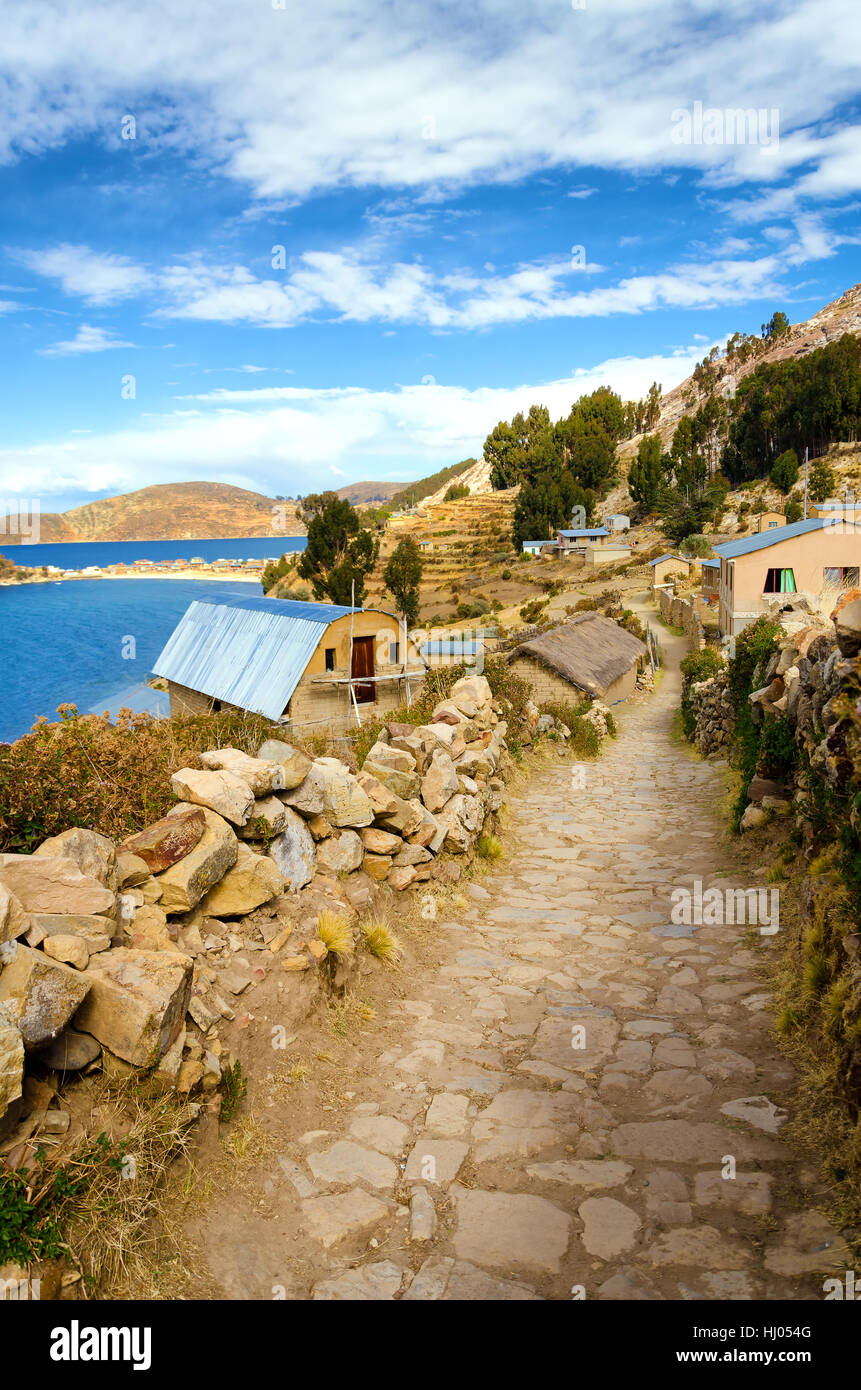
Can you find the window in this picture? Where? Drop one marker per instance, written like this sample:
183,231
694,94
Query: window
779,582
330,658
846,576
772,525
394,653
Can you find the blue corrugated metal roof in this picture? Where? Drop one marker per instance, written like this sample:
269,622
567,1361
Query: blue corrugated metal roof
711,564
669,556
594,531
730,549
250,652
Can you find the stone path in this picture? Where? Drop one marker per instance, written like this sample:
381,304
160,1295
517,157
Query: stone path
566,1098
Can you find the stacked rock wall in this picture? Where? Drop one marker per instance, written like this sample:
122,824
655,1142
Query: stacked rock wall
136,952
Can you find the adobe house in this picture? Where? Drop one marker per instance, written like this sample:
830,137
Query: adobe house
769,521
617,521
297,663
803,557
666,566
588,655
609,554
534,547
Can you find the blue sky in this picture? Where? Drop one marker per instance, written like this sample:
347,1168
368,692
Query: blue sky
479,206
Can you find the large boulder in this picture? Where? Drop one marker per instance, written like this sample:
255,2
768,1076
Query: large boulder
132,869
149,930
253,879
223,792
294,853
95,931
342,854
440,782
268,817
430,833
383,801
184,883
406,738
461,819
330,789
14,921
164,843
263,776
94,854
43,884
136,1002
470,694
11,1059
378,841
406,817
71,950
41,994
395,768
295,765
847,627
449,736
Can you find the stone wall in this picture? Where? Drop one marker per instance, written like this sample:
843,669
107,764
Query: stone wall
684,613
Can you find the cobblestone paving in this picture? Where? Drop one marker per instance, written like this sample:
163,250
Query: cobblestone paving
567,1094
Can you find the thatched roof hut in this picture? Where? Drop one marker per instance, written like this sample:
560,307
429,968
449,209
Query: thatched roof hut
590,652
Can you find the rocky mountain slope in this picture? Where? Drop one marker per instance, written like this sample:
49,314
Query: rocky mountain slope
174,511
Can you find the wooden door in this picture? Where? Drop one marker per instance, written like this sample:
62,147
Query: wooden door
363,665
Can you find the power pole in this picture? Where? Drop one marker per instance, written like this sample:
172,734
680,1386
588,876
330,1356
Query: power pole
806,472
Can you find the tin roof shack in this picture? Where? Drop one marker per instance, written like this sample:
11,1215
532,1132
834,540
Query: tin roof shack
617,521
711,580
837,511
802,558
666,567
590,653
297,663
575,542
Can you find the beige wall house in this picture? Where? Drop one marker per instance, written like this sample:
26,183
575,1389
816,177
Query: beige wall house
303,664
803,557
609,554
837,511
666,566
588,655
769,521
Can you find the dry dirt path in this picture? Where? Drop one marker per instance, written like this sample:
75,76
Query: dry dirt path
558,1107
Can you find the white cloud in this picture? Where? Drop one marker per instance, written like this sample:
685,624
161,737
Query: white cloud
87,339
98,278
281,439
451,95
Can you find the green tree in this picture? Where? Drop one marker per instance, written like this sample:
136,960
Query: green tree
341,551
822,481
402,577
645,474
784,474
777,327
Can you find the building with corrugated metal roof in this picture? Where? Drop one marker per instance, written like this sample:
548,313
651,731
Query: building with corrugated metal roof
297,663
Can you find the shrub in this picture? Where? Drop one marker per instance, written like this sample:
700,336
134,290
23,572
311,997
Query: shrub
489,848
379,941
110,777
696,666
506,574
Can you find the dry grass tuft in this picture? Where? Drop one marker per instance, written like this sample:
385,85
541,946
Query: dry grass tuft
380,941
336,934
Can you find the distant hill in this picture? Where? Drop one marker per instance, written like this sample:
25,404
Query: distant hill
409,495
363,494
174,511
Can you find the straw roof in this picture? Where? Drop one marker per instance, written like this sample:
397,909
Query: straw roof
590,651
